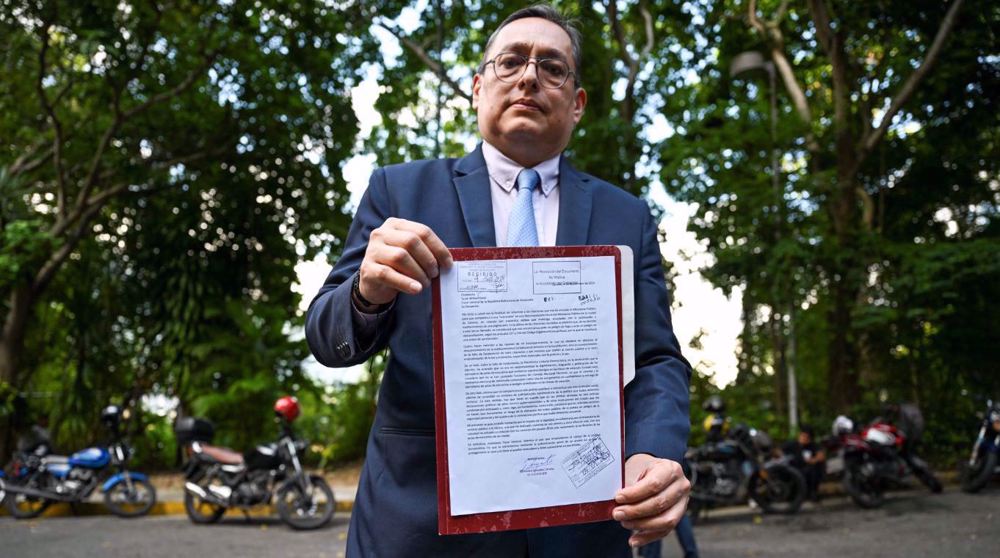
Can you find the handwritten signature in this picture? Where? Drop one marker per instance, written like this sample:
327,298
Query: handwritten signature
537,464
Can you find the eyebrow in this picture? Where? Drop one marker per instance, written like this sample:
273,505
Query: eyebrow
522,46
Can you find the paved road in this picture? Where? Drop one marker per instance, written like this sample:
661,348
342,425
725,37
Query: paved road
913,524
167,537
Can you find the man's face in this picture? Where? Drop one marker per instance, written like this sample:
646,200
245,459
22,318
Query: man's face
524,120
804,438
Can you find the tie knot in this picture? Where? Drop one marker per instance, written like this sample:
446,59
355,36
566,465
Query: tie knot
528,178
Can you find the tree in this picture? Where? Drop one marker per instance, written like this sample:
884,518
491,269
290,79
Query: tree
191,147
866,91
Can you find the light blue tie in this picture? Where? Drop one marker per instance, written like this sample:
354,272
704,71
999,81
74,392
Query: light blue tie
521,225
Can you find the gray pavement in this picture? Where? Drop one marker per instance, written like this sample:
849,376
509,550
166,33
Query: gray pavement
167,537
912,523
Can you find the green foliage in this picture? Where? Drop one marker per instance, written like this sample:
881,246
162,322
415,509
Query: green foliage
202,143
341,417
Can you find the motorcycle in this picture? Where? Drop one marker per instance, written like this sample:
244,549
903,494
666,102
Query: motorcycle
219,478
982,462
39,479
737,469
875,459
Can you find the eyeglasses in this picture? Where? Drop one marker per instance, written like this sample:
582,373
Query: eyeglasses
509,67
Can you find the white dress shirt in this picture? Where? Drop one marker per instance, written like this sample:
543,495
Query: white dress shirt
503,191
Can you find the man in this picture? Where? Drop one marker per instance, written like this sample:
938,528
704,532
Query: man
808,457
527,98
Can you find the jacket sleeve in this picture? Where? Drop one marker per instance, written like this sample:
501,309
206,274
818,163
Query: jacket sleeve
656,401
330,330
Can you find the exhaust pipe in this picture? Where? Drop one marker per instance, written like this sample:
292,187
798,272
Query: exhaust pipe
35,493
204,495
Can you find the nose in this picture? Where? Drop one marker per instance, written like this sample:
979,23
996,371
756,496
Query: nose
530,74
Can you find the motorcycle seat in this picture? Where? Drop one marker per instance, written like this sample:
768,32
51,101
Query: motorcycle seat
223,455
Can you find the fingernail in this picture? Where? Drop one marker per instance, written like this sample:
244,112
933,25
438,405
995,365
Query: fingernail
619,515
434,271
415,286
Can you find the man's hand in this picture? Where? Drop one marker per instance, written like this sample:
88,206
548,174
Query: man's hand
402,256
654,498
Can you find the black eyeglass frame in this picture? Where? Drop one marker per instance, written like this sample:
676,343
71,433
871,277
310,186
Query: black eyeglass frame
527,60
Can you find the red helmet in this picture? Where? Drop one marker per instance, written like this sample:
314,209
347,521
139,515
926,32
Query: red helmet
287,408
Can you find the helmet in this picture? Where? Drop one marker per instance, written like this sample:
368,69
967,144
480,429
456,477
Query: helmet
287,408
111,415
714,404
842,425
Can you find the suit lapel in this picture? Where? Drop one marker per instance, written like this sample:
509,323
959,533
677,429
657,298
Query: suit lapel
472,182
574,206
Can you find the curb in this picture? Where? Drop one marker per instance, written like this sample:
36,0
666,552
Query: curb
83,509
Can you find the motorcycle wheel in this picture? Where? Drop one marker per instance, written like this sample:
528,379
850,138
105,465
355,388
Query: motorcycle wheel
26,507
865,494
782,490
975,476
302,510
930,481
201,511
134,502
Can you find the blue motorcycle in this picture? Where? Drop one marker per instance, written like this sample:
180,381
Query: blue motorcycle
982,463
38,480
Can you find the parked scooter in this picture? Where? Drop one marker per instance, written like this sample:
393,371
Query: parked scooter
983,461
219,478
875,459
39,479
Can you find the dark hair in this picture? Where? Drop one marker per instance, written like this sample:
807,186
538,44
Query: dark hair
808,429
548,13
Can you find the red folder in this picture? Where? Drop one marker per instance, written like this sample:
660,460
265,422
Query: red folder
449,524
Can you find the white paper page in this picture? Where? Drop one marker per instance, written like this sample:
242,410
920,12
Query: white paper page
531,374
628,316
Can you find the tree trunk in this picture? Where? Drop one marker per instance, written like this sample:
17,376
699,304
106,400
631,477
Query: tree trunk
21,302
846,273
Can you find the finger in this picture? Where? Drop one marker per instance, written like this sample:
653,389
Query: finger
651,482
405,252
384,276
655,506
666,519
640,538
437,252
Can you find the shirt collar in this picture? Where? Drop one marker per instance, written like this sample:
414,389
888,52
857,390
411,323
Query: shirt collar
503,171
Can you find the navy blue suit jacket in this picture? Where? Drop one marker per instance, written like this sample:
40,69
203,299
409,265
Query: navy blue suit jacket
395,512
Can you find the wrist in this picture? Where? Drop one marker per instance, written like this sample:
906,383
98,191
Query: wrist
362,303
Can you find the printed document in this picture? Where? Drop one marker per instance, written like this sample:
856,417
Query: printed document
533,367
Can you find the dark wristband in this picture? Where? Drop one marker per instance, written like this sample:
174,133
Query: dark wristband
356,290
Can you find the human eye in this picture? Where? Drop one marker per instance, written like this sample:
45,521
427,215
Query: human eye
510,61
554,68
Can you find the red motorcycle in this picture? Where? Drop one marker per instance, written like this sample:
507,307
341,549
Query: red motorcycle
876,459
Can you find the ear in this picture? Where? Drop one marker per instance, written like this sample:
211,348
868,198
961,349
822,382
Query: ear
579,102
477,83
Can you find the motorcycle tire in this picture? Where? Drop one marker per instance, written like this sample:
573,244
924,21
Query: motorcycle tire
26,507
975,476
202,512
865,495
782,491
306,511
131,502
930,481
